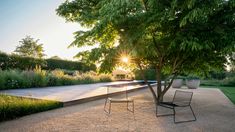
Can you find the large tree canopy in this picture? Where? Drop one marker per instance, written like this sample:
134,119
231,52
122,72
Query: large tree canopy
171,35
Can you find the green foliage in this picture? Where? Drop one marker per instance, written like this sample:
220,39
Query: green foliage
12,107
179,36
18,62
229,81
13,79
30,48
210,82
68,65
219,75
181,77
53,81
40,78
176,37
192,77
150,74
105,78
26,63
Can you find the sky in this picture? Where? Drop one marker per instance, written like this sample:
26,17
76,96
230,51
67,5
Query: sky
37,18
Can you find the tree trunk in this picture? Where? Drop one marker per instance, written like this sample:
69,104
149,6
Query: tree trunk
159,85
149,86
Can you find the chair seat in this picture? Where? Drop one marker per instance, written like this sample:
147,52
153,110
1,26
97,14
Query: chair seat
167,104
121,100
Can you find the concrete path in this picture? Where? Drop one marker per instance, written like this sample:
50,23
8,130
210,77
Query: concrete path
214,112
68,93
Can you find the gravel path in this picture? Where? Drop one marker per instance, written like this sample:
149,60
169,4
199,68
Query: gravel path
213,110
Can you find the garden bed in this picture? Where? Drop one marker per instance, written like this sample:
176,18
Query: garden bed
12,107
16,79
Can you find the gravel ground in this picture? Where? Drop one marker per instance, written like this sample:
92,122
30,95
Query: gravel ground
213,110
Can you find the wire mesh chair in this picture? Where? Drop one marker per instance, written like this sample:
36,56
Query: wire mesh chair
112,90
180,99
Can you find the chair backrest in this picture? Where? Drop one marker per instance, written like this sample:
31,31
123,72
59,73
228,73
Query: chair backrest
112,89
182,98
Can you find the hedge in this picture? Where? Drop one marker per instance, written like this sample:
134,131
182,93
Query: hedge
24,63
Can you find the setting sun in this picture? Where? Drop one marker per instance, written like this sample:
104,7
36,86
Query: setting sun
125,59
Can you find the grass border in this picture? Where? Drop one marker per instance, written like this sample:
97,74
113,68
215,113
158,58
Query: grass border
12,107
225,90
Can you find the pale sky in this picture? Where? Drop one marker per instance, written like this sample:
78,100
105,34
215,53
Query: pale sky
37,18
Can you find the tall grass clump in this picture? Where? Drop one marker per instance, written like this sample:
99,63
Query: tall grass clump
105,78
35,78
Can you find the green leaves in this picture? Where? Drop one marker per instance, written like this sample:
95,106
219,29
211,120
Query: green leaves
30,48
178,36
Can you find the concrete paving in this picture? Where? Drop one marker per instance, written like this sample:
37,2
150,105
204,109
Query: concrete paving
214,112
69,93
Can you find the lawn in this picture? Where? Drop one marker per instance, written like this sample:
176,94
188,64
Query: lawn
12,107
228,91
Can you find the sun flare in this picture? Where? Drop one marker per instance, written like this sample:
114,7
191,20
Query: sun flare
125,59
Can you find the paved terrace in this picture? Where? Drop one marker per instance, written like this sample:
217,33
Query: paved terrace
72,94
214,111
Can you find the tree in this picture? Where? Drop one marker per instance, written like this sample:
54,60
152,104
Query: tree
174,37
232,62
56,57
30,48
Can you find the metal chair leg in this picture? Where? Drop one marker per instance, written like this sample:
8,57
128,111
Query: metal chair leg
105,106
127,104
188,120
132,107
162,114
193,112
110,103
156,110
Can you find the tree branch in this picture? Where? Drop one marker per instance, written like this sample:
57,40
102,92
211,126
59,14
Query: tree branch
145,4
169,85
145,80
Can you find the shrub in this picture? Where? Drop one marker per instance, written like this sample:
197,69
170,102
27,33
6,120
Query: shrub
211,82
11,79
53,81
28,77
150,74
105,78
67,80
57,73
229,81
88,78
2,81
40,77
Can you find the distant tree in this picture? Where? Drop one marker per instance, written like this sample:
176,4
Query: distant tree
232,62
56,57
30,48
